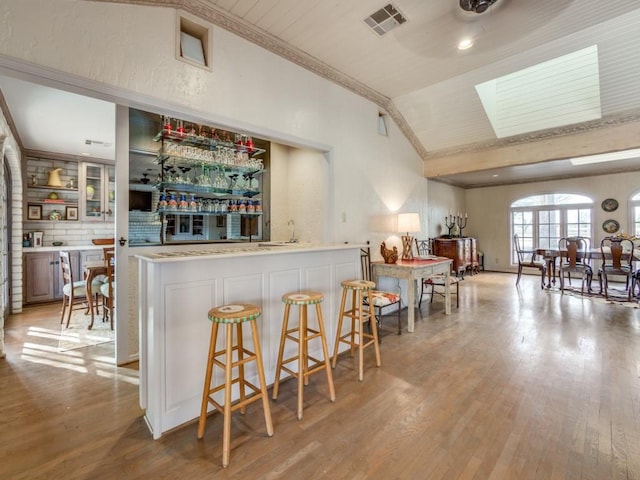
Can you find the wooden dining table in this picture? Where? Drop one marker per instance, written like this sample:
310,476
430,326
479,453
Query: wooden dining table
414,271
92,269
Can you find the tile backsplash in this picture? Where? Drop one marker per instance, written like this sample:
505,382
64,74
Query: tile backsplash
71,233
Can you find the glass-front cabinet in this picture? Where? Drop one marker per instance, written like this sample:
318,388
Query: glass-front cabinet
97,192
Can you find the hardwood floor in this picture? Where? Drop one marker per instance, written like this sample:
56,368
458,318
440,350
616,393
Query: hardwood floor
515,384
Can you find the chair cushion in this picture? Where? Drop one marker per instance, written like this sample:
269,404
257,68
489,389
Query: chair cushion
439,280
104,288
382,299
78,289
96,283
535,263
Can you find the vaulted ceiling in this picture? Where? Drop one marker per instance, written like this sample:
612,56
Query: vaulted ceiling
418,76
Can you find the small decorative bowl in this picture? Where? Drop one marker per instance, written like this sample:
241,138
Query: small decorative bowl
57,244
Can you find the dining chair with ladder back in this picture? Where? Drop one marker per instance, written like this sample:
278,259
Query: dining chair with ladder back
74,292
575,261
617,261
424,249
378,298
528,259
108,288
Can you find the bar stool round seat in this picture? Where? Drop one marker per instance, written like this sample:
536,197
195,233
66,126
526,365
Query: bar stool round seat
360,312
302,335
231,316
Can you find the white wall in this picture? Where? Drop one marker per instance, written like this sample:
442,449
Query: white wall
131,48
489,209
300,194
443,200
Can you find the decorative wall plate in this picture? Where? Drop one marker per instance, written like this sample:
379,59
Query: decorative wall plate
610,226
609,204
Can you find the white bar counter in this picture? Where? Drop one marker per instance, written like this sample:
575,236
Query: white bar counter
178,288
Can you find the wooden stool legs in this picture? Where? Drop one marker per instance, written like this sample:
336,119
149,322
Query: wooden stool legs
302,334
243,356
358,315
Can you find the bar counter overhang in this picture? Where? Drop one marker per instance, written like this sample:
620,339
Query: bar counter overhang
178,288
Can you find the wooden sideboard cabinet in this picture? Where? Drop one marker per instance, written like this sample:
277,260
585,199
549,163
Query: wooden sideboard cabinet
461,250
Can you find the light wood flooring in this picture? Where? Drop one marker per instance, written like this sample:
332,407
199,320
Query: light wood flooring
515,384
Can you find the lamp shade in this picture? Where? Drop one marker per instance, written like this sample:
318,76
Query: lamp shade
408,222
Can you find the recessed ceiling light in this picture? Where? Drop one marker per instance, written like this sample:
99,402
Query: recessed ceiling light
606,157
495,175
85,154
465,44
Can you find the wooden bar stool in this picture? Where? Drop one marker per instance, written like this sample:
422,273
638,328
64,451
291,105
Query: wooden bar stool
233,315
302,334
359,313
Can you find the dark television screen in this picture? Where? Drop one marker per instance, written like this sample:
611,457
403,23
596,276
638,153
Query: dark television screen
140,201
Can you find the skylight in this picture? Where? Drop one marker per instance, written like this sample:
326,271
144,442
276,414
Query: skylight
606,157
562,91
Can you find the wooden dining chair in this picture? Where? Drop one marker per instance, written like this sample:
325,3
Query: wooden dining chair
378,298
435,284
617,261
108,288
74,292
575,261
528,259
423,247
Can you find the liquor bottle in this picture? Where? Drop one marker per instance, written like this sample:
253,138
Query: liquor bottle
172,204
162,203
182,203
249,144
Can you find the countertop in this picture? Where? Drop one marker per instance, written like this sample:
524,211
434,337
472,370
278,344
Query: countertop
243,250
51,248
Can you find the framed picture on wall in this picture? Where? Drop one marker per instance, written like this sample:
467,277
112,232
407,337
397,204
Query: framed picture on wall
71,213
34,212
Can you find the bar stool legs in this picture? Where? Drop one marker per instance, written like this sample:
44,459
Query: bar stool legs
233,316
302,334
359,315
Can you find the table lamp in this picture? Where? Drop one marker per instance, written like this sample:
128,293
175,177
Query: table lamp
410,223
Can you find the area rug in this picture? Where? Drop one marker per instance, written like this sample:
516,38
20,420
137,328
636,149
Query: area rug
78,334
614,297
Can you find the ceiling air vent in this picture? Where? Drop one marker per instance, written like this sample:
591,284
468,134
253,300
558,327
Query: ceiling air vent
97,142
385,19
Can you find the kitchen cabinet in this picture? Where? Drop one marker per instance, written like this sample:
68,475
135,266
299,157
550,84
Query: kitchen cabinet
97,192
462,250
43,275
